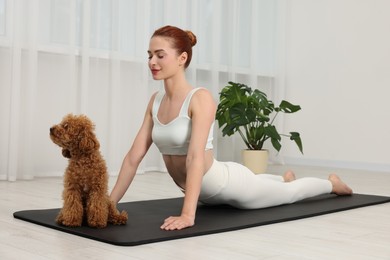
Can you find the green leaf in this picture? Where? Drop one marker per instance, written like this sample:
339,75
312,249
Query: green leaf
287,107
270,130
276,144
296,137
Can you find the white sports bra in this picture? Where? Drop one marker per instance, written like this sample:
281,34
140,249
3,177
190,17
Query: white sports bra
174,137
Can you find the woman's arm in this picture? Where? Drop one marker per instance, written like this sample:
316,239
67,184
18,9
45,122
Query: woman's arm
202,113
133,158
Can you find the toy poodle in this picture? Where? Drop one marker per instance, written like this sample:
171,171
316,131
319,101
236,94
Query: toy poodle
85,192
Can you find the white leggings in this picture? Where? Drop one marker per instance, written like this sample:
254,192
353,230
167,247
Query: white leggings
234,184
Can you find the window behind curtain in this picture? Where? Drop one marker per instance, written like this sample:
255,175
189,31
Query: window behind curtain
90,56
234,35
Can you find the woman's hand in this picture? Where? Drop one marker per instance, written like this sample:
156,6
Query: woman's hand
177,223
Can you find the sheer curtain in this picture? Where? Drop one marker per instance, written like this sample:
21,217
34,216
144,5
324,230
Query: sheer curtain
89,56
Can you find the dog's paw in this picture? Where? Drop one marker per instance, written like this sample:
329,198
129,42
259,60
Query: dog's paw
118,218
68,221
114,216
97,224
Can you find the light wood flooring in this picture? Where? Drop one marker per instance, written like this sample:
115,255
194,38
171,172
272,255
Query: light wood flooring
362,233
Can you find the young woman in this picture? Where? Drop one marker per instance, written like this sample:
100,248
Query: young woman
180,121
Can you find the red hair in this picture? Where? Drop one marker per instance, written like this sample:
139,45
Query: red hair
181,40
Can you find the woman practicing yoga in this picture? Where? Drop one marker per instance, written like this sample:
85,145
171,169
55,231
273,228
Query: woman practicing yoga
180,121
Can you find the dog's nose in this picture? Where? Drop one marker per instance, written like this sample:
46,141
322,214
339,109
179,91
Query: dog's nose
51,129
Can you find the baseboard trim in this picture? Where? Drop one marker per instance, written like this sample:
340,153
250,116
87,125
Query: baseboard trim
377,167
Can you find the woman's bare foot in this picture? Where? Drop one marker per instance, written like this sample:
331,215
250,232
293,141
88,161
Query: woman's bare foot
338,186
289,176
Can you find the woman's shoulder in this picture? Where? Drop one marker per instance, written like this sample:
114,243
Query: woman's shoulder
202,92
155,95
152,101
201,89
203,97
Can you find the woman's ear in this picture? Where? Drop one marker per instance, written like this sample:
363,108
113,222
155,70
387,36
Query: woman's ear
183,58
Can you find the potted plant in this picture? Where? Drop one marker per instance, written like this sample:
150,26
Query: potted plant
250,113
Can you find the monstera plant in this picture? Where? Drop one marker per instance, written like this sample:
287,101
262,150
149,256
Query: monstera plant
250,113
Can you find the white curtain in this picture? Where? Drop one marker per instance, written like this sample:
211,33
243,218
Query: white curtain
90,57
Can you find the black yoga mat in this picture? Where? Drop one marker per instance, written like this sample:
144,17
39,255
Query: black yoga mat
145,218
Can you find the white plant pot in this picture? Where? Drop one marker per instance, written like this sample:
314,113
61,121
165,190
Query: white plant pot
255,160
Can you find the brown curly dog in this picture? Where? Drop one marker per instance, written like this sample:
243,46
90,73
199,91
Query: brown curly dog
85,192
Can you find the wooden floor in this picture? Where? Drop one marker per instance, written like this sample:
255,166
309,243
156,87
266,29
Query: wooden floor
355,234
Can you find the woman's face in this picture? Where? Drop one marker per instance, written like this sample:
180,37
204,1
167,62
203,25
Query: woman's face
164,62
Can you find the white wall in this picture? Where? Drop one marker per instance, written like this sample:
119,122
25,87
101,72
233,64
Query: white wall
338,70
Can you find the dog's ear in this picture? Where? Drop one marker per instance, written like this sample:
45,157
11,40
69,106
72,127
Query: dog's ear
88,142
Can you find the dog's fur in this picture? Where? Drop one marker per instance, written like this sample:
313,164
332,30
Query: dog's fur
85,192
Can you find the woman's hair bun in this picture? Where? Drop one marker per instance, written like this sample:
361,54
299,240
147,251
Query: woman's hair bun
192,37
